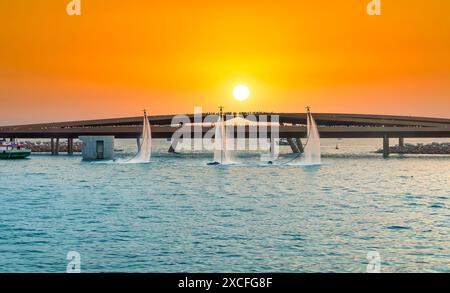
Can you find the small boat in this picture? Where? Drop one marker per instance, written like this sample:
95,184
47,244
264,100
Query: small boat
13,151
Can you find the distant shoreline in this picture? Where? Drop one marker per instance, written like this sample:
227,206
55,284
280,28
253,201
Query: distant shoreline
45,147
434,148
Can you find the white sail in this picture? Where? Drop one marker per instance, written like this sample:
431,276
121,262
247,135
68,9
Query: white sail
145,150
312,154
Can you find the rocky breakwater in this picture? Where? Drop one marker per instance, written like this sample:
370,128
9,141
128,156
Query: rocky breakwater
46,147
434,148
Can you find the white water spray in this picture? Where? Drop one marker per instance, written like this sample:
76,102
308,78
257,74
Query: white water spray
221,151
312,154
145,150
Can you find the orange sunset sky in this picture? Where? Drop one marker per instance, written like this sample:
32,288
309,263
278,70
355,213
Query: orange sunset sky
119,57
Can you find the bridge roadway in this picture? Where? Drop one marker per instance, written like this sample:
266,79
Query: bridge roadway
330,126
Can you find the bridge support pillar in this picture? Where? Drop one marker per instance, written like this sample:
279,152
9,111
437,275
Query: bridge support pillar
52,146
386,150
57,147
70,146
138,141
401,142
293,146
299,143
274,148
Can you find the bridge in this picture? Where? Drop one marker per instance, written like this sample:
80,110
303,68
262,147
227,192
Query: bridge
292,126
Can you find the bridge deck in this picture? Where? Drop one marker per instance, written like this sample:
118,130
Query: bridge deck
330,126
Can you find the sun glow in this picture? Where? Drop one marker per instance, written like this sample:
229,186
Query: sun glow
241,92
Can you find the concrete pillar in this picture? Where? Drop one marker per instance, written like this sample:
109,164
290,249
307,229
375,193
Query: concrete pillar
57,147
52,146
70,146
299,143
274,150
97,147
386,150
401,142
293,146
138,141
272,147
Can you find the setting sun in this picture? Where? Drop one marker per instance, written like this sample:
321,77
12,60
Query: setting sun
241,93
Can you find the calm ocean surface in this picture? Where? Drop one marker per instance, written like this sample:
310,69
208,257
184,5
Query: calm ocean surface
178,215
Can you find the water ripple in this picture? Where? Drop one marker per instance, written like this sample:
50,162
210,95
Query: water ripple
177,214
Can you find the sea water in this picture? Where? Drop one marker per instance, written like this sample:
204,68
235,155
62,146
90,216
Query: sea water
176,214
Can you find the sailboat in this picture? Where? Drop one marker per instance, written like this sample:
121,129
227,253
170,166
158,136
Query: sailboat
221,154
145,149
